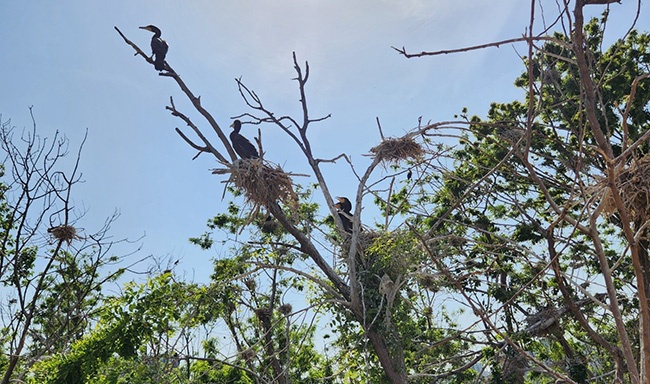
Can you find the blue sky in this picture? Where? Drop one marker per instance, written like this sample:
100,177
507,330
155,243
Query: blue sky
66,60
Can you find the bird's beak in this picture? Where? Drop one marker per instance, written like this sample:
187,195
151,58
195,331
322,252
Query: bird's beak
232,125
144,28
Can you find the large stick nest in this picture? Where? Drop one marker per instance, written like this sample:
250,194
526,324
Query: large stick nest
65,233
261,184
365,239
397,149
633,184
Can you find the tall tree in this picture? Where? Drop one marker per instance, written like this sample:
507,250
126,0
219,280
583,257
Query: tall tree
268,187
531,227
550,193
51,273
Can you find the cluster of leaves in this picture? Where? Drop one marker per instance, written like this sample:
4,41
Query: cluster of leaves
523,257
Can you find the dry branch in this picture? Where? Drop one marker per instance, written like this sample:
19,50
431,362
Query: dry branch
496,44
196,102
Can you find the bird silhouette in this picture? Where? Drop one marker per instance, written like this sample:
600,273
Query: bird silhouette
344,208
240,144
159,47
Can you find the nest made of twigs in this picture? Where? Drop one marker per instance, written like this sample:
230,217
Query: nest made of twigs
633,184
262,184
65,233
264,314
365,239
397,149
543,322
285,309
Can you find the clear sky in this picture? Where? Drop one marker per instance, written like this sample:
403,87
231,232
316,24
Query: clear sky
66,60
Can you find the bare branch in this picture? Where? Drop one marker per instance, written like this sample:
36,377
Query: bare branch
196,101
381,133
333,160
496,44
601,2
208,146
137,49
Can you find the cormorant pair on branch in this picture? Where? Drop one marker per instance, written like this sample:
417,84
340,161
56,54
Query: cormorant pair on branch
240,144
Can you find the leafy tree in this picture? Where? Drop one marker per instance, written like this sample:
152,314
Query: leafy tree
134,341
145,335
517,253
542,193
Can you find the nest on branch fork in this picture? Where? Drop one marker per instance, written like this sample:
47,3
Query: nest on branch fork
261,184
633,184
365,239
65,233
397,149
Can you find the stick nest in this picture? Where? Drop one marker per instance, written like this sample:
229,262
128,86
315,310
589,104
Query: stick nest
65,233
364,240
543,322
263,185
633,184
397,149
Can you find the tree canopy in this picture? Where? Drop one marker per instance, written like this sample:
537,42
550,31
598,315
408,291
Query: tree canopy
511,247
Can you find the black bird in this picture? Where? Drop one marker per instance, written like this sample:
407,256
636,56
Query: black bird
240,144
159,47
344,208
269,226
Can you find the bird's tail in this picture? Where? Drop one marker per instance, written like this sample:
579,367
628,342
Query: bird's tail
159,63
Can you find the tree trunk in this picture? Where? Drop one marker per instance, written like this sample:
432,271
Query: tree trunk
643,326
391,354
638,256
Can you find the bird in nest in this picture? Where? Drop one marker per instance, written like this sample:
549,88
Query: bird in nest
344,208
240,144
159,47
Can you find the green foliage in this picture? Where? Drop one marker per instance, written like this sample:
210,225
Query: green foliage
495,202
69,298
83,360
203,372
456,292
138,322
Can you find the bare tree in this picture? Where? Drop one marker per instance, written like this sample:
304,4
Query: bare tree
51,271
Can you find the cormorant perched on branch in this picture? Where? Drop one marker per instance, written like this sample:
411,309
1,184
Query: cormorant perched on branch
344,207
159,47
240,144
